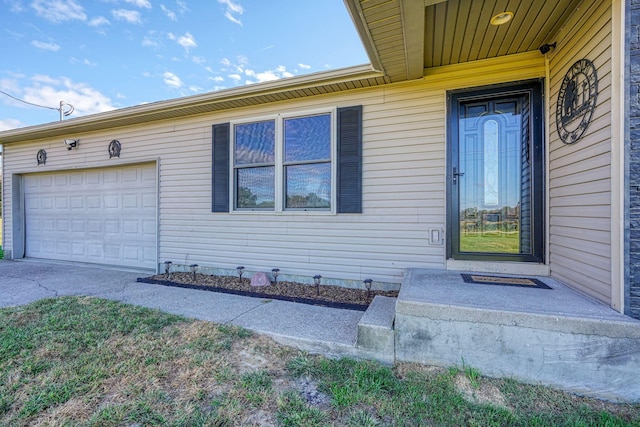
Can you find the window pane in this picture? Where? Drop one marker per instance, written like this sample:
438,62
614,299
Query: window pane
307,138
255,187
308,186
255,143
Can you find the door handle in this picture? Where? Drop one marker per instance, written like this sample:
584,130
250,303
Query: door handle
456,174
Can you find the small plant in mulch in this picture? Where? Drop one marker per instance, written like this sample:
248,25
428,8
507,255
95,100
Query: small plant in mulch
326,295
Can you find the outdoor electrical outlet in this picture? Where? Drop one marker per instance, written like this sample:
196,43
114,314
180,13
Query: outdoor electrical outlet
435,236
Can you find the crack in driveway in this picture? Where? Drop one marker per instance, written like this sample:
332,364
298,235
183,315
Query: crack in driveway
262,302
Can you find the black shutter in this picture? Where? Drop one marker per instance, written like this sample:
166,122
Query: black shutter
349,186
220,173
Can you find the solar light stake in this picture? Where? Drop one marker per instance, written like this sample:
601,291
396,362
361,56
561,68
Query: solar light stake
240,270
167,269
194,268
367,283
316,281
275,272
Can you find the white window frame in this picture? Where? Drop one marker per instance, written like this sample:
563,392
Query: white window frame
279,178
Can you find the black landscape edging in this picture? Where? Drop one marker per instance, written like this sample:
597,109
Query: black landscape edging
309,301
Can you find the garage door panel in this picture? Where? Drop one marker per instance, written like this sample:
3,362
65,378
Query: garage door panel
78,226
78,250
111,201
130,201
64,248
99,216
76,202
93,202
92,178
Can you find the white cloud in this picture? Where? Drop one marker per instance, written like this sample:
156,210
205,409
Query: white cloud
266,48
131,16
53,47
232,7
49,91
182,6
187,41
59,10
304,66
6,124
140,3
172,80
42,78
15,6
282,71
11,85
241,68
198,60
232,18
147,42
170,13
232,10
217,79
268,75
98,21
151,39
83,61
265,76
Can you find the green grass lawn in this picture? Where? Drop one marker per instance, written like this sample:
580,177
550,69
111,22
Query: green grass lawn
79,361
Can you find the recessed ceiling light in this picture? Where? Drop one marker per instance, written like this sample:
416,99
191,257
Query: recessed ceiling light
501,18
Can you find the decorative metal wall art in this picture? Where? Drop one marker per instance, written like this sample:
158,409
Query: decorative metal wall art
114,148
576,101
41,157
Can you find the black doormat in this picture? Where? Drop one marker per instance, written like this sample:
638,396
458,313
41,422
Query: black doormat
523,282
310,301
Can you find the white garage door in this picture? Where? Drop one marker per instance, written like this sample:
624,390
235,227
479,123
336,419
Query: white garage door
104,216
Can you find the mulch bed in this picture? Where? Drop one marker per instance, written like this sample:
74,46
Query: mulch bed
325,295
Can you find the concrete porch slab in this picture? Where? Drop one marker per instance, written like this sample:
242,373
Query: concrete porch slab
554,337
375,328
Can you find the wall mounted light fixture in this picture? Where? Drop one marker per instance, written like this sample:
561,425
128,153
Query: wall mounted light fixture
71,143
545,48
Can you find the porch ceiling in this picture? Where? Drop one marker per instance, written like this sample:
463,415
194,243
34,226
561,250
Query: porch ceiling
404,37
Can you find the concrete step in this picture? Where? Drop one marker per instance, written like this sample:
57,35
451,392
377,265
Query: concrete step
556,337
375,329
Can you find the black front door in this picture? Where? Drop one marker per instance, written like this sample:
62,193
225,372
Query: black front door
496,174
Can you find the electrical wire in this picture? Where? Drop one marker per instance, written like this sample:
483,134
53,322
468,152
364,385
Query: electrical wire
30,103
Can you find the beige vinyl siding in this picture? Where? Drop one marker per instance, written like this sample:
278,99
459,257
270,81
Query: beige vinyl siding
404,146
389,236
580,174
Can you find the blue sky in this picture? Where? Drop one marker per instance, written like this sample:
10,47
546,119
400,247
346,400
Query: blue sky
101,55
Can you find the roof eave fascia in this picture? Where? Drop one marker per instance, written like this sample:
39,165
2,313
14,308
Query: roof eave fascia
137,114
357,17
413,26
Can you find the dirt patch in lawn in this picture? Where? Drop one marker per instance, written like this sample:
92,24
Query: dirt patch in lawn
326,295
